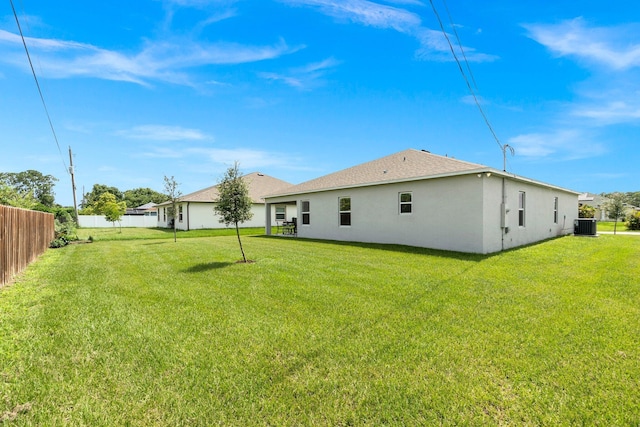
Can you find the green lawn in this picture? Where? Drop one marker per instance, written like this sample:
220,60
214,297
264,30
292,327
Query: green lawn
609,226
150,332
132,233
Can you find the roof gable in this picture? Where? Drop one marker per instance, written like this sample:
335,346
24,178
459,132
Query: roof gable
405,165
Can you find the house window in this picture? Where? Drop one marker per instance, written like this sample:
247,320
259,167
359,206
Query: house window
555,210
306,213
406,204
180,213
281,213
164,214
345,210
521,207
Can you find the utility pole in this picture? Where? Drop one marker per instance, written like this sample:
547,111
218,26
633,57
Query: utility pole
73,185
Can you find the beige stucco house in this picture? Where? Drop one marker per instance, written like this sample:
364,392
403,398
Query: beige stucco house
195,210
421,199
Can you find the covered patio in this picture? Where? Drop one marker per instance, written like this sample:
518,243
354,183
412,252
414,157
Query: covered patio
286,220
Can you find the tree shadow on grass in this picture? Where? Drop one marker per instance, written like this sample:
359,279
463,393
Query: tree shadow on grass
414,249
207,266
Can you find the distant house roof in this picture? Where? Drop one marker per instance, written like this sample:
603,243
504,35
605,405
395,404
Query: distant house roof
587,197
591,199
140,210
259,185
408,165
146,206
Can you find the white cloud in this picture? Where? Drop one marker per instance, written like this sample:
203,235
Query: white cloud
163,133
157,61
612,54
199,3
434,46
365,12
414,2
616,47
164,153
304,77
470,100
613,175
249,159
612,102
564,144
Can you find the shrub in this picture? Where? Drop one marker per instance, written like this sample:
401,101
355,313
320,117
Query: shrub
633,221
58,242
65,229
586,211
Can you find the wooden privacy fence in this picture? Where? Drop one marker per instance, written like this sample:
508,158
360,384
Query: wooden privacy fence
24,235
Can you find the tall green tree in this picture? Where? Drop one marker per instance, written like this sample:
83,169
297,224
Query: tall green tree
173,193
633,198
31,181
9,196
92,196
614,207
142,196
233,204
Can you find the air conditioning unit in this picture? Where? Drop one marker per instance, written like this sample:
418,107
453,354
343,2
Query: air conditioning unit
585,227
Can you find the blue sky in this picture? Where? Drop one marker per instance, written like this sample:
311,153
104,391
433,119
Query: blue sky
301,88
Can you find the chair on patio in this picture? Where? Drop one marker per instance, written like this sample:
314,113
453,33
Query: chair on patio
290,227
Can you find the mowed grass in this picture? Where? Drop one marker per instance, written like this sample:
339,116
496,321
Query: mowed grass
132,233
610,226
152,332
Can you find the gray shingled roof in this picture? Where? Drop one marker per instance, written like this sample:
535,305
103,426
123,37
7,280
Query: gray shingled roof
405,165
259,185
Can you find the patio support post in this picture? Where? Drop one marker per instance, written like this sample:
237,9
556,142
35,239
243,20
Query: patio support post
268,219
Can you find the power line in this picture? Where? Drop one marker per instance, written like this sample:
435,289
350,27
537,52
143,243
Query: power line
473,94
35,77
464,55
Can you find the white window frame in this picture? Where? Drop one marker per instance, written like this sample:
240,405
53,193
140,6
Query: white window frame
342,213
555,210
522,205
180,213
402,204
283,213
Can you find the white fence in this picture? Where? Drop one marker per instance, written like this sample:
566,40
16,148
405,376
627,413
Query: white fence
98,221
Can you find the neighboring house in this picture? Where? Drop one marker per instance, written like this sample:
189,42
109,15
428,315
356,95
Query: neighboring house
599,204
195,210
148,209
142,216
596,202
420,199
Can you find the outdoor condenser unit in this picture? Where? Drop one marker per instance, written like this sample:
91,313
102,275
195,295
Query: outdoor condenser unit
585,227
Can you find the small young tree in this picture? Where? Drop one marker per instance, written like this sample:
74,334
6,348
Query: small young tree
173,193
614,207
113,212
233,204
111,209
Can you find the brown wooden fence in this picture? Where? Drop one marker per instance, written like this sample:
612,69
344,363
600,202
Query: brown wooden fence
24,235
